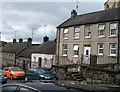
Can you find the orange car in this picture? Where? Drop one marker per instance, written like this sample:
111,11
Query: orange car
13,72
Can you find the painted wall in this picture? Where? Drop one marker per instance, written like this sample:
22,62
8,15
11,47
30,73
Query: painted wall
47,60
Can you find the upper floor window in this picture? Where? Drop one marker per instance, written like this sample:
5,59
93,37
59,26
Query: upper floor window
65,34
76,32
101,29
100,48
113,49
87,31
75,50
64,50
113,29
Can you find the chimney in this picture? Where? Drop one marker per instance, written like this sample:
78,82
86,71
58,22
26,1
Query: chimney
20,40
45,39
14,40
73,13
29,41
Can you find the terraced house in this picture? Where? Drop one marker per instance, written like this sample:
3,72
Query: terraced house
90,39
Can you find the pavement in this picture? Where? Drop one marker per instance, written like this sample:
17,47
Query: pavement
89,87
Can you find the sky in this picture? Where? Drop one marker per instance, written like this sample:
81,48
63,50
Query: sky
38,18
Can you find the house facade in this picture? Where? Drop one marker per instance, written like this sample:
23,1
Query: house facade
44,55
11,50
24,57
92,38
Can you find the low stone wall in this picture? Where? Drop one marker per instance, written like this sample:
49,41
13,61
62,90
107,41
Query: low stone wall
100,75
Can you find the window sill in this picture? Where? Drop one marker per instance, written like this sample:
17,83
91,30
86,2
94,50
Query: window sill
65,38
76,38
99,54
112,55
112,36
87,37
75,56
64,55
101,37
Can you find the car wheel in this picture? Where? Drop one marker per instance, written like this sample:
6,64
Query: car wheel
40,79
11,77
26,78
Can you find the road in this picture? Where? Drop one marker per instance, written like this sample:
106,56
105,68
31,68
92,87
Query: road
15,81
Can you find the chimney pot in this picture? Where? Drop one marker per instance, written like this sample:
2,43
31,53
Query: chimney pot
20,40
45,39
14,40
29,41
73,13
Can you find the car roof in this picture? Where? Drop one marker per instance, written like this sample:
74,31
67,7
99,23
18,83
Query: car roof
21,85
49,87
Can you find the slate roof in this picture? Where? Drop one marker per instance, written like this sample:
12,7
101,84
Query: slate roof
48,47
14,47
94,17
27,52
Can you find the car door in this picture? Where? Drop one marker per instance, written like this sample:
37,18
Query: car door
29,74
35,74
7,72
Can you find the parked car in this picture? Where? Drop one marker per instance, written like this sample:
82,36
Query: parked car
14,72
39,74
3,78
35,87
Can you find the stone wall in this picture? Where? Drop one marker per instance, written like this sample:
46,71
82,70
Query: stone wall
100,75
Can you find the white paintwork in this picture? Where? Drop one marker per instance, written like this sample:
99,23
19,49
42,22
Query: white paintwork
49,57
86,55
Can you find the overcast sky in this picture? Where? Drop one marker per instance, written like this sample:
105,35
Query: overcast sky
19,17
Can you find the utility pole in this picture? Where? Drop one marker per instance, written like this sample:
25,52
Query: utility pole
15,34
45,29
32,33
0,36
77,2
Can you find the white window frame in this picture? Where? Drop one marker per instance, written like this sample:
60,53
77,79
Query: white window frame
113,48
34,59
101,27
87,31
65,51
76,33
100,48
113,27
65,33
75,50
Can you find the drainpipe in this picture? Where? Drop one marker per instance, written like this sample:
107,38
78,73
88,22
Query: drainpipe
118,46
58,33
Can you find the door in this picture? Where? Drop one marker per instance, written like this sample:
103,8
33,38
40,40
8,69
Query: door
39,62
86,55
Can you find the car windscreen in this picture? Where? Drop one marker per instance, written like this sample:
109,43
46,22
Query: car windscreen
41,71
15,69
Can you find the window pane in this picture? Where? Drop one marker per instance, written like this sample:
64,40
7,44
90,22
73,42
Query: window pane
66,31
101,27
87,30
113,31
75,47
113,26
101,32
113,49
64,48
100,48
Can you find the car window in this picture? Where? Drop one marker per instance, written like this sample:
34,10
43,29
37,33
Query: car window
15,69
25,89
6,69
8,88
0,72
